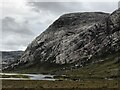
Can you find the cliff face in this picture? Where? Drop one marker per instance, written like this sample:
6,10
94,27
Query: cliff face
76,38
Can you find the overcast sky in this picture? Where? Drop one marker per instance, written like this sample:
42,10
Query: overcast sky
23,20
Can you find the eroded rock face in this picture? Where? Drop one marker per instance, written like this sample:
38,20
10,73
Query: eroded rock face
76,38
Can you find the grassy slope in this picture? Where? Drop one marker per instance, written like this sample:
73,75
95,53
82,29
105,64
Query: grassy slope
105,69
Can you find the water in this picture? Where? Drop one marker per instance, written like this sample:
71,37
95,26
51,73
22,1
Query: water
31,77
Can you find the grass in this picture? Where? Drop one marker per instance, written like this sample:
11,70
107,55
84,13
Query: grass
108,69
59,84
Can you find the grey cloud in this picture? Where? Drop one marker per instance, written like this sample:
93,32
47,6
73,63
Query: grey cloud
15,34
64,7
15,42
53,7
10,25
104,6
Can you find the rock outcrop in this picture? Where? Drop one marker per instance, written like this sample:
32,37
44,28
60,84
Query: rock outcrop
76,38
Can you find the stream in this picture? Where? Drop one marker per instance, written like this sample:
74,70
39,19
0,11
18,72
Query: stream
30,76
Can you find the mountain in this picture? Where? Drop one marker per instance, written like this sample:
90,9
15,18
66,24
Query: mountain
76,40
9,57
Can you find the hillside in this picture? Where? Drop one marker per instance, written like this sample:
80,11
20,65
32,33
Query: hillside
73,40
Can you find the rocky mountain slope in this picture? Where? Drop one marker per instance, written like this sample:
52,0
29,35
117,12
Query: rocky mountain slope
75,38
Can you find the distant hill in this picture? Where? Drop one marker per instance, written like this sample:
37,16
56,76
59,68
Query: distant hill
8,57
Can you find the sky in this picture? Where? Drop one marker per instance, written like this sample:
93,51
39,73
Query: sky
23,20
